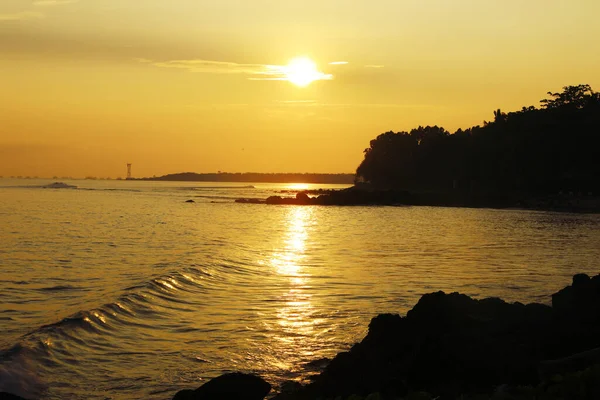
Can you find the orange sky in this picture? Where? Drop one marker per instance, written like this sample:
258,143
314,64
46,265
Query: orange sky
87,86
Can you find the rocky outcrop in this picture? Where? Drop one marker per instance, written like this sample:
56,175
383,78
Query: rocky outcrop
346,197
451,344
234,386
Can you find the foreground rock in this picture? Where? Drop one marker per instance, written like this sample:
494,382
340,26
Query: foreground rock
451,344
234,386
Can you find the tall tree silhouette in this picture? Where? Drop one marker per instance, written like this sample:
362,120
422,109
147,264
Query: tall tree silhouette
532,150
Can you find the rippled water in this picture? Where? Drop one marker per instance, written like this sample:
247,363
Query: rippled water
121,290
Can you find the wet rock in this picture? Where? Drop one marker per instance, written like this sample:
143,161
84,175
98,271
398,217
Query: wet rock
233,386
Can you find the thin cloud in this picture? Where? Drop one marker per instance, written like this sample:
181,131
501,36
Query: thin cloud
338,63
256,72
212,67
21,16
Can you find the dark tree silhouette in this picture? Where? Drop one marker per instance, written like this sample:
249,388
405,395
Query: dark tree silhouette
578,96
532,150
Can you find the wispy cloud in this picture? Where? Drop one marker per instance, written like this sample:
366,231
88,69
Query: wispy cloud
21,16
254,71
49,3
338,63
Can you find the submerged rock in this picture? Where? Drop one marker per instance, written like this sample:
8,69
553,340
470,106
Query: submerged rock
233,386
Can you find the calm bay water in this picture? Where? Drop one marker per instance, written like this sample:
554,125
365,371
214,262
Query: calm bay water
121,290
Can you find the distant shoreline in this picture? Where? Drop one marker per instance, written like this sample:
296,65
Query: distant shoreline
246,177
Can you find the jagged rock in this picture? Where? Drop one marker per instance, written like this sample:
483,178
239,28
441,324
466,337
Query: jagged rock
451,344
233,386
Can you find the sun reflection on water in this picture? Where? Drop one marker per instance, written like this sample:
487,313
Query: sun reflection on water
294,319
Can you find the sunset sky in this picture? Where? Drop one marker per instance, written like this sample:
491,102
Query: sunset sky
87,86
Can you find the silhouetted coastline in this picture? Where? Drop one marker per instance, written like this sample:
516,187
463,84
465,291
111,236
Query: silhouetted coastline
254,177
542,159
364,195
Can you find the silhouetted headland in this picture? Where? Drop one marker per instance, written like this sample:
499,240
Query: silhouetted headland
255,177
540,158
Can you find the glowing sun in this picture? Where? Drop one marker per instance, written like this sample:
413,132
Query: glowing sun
302,71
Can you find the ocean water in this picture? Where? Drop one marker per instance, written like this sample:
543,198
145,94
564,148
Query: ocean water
122,290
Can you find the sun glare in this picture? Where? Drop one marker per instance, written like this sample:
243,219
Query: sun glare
302,71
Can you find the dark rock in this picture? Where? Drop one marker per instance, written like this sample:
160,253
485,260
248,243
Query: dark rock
190,201
317,364
290,387
580,302
580,279
233,386
185,394
9,396
274,200
350,196
446,345
451,344
573,363
303,198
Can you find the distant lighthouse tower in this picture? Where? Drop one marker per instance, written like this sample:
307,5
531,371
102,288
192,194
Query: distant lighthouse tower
128,171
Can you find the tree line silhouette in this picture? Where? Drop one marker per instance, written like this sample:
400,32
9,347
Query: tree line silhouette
535,150
249,177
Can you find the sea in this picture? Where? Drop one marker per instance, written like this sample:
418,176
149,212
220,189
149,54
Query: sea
124,290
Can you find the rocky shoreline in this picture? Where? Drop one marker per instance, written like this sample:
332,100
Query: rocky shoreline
450,346
362,196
